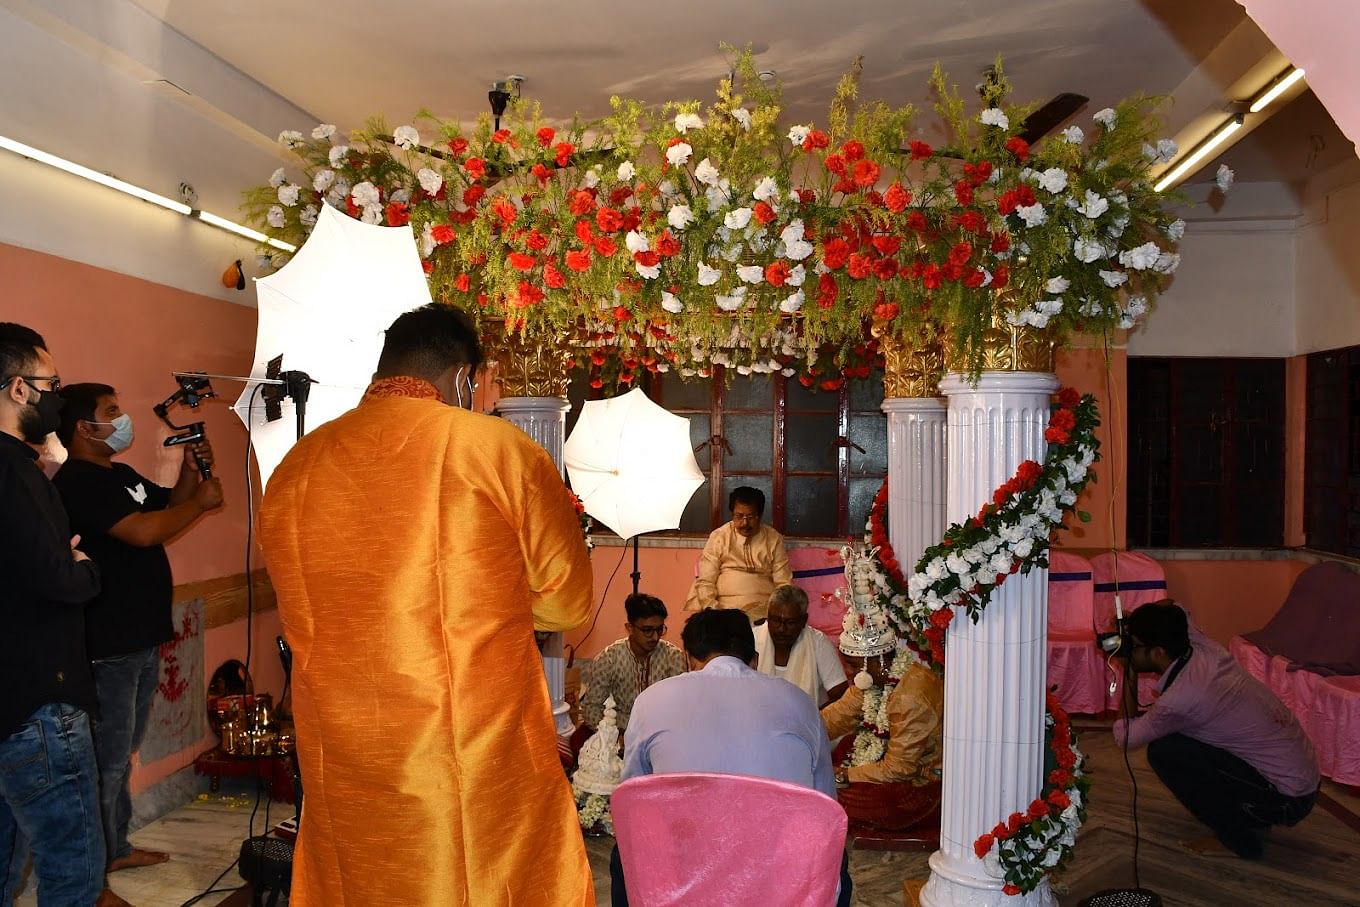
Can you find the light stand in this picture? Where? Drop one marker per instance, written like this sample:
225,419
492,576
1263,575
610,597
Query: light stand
294,384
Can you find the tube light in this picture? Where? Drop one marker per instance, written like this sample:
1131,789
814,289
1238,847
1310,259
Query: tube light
1280,87
1208,145
147,195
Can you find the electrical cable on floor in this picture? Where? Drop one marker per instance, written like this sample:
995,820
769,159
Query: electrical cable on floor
212,887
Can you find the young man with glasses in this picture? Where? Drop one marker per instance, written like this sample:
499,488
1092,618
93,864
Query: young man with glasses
630,665
1224,745
47,764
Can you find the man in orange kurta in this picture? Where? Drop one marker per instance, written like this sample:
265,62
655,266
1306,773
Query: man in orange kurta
415,547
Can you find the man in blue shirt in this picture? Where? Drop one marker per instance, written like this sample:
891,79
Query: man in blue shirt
725,717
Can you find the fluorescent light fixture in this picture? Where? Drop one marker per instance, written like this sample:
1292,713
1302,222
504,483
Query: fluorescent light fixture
147,195
1274,91
1188,163
93,176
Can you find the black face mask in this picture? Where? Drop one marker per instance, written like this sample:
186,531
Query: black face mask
42,418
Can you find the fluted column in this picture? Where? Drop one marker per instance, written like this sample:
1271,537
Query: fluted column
994,669
916,475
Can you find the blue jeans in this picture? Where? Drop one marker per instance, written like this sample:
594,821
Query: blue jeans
49,795
126,686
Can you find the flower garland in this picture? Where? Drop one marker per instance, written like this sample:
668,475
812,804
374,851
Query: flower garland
594,813
1009,534
584,519
871,740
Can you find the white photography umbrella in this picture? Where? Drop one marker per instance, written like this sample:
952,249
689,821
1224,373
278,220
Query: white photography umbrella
325,312
631,463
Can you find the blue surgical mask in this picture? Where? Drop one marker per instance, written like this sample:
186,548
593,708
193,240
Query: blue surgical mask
121,439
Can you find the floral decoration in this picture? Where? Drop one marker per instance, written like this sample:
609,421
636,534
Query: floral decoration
871,740
594,814
688,237
584,519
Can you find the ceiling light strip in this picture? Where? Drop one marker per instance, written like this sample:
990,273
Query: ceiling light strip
1201,151
135,191
1281,85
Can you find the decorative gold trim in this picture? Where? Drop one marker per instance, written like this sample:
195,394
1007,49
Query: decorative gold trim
1005,347
527,367
910,368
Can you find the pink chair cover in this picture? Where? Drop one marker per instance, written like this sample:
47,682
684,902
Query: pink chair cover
1076,667
1141,580
820,572
688,839
1328,708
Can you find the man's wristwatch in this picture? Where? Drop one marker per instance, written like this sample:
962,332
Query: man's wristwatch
842,777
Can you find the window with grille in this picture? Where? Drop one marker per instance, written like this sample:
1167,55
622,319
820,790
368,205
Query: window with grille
1331,471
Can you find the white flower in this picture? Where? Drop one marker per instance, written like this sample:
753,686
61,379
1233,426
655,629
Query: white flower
1166,150
274,216
339,155
290,138
430,180
288,195
1175,230
322,180
935,570
994,116
1090,308
277,178
1224,177
366,195
1054,179
731,302
708,276
1114,278
1150,152
792,303
1000,562
1073,135
793,232
1140,258
324,131
751,273
678,154
767,190
1137,306
799,134
706,173
687,121
648,272
742,116
1167,263
1105,117
1022,548
1117,225
405,137
796,276
1087,250
626,170
371,215
671,303
680,216
427,243
1057,285
737,218
636,242
1033,215
308,216
592,177
1094,206
1126,322
732,252
1048,307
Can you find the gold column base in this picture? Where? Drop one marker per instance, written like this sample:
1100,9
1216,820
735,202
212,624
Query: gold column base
1005,348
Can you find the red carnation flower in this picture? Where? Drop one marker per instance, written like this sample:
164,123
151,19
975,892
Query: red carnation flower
521,262
1064,419
528,295
1010,889
583,231
554,278
885,268
619,194
1015,823
896,198
582,202
608,220
1055,436
441,234
972,221
500,136
546,135
826,291
835,163
860,266
646,258
1001,242
777,273
667,245
564,152
604,246
815,139
853,150
398,214
963,192
473,194
942,618
806,196
1059,799
578,260
540,172
887,245
458,145
1068,397
427,266
836,253
621,314
763,213
975,278
463,283
1018,147
916,220
475,167
920,151
983,845
886,311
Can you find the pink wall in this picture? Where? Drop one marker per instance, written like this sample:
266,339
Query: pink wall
1087,370
1227,598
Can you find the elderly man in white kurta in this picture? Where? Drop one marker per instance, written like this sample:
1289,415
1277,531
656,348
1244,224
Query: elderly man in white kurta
743,561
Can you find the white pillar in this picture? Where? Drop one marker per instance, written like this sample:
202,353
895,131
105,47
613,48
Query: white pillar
545,420
995,669
916,476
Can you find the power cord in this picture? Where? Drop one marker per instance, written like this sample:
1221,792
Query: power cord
600,606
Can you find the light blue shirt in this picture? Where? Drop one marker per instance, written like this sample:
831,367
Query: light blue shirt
731,720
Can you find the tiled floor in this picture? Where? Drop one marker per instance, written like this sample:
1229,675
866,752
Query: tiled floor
1312,865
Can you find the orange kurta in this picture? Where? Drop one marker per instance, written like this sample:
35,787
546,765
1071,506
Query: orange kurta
415,547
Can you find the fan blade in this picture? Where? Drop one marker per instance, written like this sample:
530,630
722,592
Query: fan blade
1044,120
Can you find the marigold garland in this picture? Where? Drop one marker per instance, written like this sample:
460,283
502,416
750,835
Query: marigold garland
1009,534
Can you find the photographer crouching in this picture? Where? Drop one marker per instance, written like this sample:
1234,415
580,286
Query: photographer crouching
1228,749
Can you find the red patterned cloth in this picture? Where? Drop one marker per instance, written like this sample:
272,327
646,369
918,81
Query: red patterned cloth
404,386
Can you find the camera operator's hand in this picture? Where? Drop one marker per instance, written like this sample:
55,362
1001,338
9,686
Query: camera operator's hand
193,453
208,494
76,552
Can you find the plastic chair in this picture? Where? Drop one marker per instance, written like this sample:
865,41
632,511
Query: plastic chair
1076,667
687,839
1141,580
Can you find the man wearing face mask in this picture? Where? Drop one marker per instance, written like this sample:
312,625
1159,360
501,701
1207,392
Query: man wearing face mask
415,547
47,762
125,520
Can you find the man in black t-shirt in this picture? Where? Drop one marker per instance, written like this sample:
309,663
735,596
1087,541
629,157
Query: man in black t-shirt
125,519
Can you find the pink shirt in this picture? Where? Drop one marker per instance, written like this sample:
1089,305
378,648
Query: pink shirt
1215,701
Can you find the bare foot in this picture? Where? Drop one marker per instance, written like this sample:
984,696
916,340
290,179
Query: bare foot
138,858
1207,846
108,899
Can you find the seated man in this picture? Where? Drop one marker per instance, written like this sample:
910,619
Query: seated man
726,717
1230,751
630,665
743,560
896,785
800,654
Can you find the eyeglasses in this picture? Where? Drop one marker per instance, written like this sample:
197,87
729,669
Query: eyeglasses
55,381
650,631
